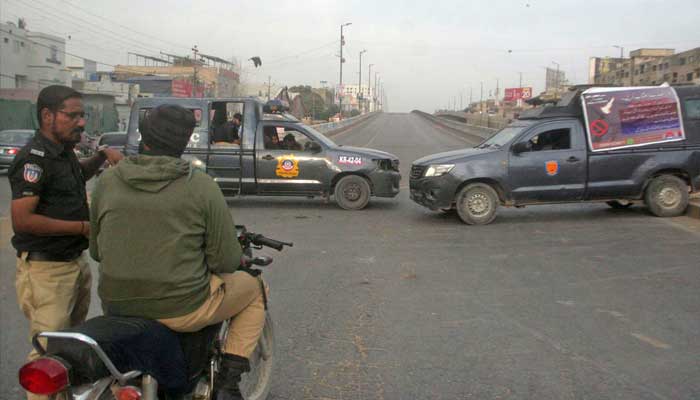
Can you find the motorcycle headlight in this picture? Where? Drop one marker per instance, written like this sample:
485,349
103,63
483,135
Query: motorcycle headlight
437,170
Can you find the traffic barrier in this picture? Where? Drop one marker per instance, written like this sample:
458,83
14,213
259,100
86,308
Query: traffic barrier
472,132
333,128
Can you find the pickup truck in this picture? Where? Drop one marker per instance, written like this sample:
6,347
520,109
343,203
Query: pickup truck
274,154
553,155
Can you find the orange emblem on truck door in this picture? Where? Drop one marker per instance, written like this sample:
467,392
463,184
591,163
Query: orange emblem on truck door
552,167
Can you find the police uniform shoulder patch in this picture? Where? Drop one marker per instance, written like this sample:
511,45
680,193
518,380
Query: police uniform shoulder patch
36,152
32,173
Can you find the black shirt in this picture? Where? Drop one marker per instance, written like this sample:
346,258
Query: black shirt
52,172
227,132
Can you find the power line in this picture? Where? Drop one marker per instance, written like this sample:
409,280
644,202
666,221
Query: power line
97,29
126,27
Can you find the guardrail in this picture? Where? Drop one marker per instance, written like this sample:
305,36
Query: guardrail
472,132
332,128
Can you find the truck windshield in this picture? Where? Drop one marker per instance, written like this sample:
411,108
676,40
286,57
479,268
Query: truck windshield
321,137
502,137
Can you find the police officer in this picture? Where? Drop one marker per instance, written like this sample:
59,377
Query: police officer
50,214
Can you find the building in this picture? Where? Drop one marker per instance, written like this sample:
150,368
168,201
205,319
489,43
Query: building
647,67
123,93
200,78
30,61
354,94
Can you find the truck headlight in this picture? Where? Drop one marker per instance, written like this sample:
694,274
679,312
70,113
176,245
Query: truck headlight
437,170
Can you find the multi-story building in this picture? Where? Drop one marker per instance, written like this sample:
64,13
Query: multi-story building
647,67
30,61
184,74
352,98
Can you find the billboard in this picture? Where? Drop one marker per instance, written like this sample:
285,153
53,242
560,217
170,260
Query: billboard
630,117
513,94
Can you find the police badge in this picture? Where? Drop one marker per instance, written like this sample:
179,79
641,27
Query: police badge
32,173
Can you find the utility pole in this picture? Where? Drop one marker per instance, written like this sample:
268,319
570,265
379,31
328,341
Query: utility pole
481,99
341,91
194,66
520,82
471,90
269,84
369,88
461,105
374,97
359,84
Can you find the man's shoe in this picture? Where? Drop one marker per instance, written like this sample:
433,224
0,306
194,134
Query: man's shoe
229,376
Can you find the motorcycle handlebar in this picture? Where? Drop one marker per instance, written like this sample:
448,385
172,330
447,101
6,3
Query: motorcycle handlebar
260,240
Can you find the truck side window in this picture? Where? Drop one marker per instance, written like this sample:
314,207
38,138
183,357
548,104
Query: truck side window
226,124
692,108
557,139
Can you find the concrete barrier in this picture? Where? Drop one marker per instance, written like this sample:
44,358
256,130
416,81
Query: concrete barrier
333,128
471,132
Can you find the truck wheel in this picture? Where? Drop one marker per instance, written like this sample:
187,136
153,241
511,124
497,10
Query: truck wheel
667,196
352,192
477,204
619,205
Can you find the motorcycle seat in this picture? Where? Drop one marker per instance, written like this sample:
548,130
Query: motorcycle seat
136,344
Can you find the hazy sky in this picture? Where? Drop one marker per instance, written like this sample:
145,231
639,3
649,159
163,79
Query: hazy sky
426,52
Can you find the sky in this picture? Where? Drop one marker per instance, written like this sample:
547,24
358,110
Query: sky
427,54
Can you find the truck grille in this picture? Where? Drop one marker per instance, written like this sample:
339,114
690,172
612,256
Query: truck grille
417,171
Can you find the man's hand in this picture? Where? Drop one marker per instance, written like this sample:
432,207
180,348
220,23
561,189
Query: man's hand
113,156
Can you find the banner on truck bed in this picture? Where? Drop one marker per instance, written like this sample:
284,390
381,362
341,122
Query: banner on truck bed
618,118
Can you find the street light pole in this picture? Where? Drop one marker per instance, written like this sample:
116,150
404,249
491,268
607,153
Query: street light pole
374,96
340,85
359,84
558,82
369,88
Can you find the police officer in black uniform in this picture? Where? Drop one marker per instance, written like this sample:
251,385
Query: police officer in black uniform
50,214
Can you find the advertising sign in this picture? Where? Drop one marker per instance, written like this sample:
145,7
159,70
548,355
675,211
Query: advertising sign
513,94
629,117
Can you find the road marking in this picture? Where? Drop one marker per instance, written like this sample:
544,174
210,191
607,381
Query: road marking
650,340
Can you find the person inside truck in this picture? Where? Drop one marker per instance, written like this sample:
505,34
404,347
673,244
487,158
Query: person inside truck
270,138
290,142
558,139
223,132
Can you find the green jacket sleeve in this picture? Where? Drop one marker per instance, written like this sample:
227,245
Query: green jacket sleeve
222,250
94,221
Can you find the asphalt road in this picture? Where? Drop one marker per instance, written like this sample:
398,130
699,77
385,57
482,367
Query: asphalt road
398,302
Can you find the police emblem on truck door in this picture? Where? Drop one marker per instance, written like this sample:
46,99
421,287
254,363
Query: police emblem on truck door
287,166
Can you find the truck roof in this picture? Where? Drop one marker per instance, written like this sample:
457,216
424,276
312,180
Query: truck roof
192,100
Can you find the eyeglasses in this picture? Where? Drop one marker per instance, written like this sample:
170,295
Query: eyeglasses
73,115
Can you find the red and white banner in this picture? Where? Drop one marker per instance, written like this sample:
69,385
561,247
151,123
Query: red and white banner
513,94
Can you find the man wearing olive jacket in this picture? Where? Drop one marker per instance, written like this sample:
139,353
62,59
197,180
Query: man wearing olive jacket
167,245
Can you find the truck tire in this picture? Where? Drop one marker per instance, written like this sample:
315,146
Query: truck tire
667,196
477,204
618,205
352,192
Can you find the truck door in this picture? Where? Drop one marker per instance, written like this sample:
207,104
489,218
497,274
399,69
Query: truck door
287,163
553,166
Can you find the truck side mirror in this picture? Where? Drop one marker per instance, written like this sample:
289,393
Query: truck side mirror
522,147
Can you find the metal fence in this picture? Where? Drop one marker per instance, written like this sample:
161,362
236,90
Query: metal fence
330,128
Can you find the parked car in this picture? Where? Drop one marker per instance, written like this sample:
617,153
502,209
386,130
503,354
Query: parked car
276,155
640,145
11,141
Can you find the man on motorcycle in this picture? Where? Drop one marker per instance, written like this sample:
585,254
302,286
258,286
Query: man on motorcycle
167,246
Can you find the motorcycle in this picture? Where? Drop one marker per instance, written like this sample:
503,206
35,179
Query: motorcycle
126,358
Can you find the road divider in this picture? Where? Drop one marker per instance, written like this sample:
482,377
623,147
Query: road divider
471,132
334,128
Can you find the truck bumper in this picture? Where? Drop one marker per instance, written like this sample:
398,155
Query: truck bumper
434,192
385,183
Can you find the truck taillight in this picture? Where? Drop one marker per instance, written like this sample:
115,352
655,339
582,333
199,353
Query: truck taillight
44,375
127,393
12,151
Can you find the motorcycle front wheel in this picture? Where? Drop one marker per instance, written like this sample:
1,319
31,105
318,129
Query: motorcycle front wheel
256,383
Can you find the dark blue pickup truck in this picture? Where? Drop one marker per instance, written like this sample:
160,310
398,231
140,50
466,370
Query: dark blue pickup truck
272,153
546,157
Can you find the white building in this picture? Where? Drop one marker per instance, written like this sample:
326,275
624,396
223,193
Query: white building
350,100
31,60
